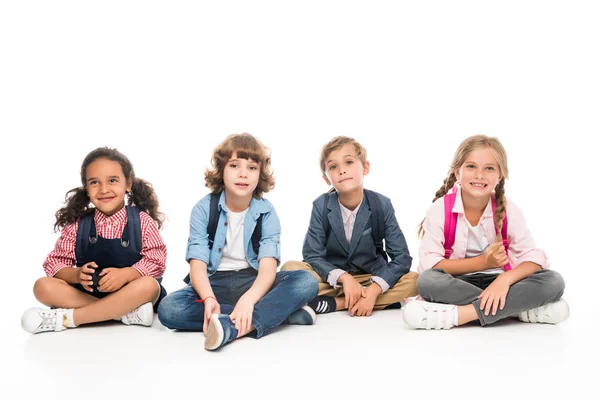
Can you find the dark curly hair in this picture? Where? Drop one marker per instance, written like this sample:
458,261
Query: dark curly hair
247,147
77,201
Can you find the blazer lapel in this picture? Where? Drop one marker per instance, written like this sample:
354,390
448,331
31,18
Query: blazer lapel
335,221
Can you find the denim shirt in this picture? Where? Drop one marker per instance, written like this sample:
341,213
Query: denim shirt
198,241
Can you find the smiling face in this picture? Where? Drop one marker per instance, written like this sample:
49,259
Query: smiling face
106,185
240,177
344,170
479,174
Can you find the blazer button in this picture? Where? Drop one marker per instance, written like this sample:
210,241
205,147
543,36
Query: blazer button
219,249
225,224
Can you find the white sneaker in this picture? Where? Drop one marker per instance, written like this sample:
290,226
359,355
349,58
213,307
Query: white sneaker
551,313
36,320
420,314
143,315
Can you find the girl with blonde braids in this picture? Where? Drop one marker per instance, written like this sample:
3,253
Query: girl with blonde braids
469,271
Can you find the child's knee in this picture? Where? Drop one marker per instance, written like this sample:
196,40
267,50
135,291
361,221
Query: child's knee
43,288
167,311
293,266
554,285
310,284
147,287
427,283
305,283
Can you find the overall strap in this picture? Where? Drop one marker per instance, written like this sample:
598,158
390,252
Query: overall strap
86,234
132,234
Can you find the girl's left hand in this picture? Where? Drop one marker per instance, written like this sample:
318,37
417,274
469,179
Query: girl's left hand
112,279
494,295
242,316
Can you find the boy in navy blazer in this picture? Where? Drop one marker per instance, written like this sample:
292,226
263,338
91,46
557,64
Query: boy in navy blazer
354,273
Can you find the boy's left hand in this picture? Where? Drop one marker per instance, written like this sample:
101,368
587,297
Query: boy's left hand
494,296
242,316
112,279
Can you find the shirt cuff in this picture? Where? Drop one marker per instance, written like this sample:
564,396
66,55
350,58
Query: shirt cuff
380,282
333,277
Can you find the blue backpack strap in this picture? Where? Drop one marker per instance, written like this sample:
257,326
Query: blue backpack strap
213,221
132,237
257,234
377,222
84,233
213,218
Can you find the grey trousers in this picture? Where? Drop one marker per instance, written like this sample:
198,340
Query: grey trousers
542,287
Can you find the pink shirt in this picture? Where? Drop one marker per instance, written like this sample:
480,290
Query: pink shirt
521,246
154,251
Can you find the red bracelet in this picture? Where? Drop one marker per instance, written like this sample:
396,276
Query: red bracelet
203,300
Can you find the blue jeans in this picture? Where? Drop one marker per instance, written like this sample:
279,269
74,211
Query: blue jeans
291,290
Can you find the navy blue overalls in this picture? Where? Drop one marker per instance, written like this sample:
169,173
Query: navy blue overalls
114,253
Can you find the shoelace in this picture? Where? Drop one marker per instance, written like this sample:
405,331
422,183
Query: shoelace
134,317
48,320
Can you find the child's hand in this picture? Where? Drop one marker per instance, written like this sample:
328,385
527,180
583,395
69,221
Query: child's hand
352,290
112,279
242,316
494,295
84,278
211,306
364,306
495,256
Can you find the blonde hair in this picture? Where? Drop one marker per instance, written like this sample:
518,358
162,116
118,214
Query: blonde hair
248,147
338,142
468,145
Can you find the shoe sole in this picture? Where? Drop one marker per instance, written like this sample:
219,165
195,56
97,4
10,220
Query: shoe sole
214,335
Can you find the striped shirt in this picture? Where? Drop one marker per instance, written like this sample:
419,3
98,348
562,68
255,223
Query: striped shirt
154,250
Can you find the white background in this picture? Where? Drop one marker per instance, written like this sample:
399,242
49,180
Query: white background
165,82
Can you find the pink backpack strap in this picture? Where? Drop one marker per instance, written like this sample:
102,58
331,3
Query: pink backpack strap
450,220
504,232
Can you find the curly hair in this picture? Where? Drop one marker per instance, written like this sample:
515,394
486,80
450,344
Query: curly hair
468,145
77,201
247,147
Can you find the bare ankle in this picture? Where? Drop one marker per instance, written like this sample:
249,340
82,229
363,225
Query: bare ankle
467,314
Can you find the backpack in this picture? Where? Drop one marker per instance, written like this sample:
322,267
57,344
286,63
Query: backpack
213,220
377,220
450,226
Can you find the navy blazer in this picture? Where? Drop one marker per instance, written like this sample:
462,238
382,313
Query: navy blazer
326,254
